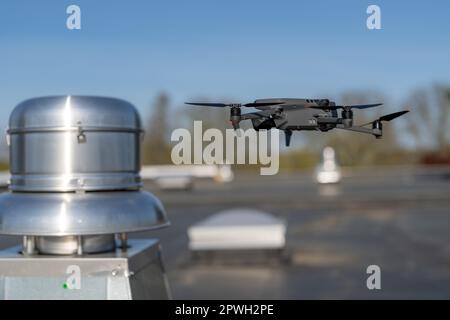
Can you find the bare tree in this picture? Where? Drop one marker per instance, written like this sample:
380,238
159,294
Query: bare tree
428,124
156,149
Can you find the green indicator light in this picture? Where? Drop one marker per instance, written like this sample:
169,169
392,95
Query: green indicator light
65,285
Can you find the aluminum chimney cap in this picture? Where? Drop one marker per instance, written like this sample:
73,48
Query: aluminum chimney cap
72,143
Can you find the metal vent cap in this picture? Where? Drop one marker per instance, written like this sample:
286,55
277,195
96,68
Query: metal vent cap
70,143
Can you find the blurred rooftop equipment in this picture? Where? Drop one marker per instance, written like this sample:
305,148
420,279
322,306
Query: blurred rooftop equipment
184,176
328,170
237,231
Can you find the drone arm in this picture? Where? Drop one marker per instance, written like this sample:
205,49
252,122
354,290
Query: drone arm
358,129
377,126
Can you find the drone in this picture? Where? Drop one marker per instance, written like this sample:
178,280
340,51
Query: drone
292,114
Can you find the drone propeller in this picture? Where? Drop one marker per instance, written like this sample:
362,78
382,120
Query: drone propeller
392,116
387,117
219,105
235,109
359,106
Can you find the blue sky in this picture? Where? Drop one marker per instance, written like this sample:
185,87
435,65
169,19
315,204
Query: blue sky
234,48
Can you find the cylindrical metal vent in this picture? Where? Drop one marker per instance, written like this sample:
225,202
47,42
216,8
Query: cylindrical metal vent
74,143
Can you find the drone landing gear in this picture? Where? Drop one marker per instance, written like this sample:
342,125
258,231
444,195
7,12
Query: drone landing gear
288,136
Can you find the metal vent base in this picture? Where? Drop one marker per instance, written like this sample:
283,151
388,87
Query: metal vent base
136,273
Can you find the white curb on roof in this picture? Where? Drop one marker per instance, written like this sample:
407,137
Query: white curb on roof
238,229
